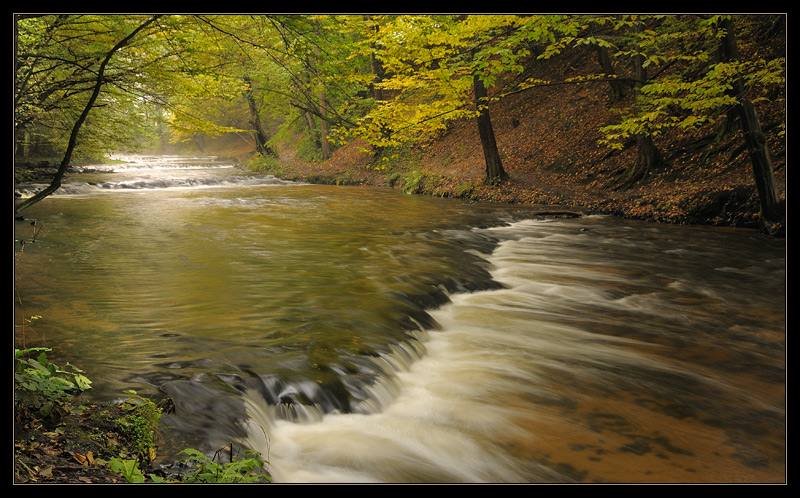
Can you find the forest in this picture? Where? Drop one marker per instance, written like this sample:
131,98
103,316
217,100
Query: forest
677,118
635,350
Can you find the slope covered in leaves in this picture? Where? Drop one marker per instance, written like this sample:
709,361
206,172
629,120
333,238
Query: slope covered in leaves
548,140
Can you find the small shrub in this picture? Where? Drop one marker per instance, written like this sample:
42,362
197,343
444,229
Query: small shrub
44,386
467,189
268,165
211,471
129,469
412,181
140,424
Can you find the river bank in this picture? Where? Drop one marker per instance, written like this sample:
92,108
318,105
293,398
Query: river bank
548,141
690,192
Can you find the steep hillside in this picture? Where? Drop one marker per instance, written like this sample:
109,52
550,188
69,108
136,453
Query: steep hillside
548,141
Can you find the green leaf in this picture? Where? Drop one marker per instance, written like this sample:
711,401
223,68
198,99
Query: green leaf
128,468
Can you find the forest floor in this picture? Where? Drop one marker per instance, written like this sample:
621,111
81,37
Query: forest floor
72,447
560,164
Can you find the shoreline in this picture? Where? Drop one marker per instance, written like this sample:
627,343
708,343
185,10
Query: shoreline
730,206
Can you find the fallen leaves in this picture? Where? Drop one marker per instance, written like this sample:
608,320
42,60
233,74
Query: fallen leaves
85,460
548,141
76,450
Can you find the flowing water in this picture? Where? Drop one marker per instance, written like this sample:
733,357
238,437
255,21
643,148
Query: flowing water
357,335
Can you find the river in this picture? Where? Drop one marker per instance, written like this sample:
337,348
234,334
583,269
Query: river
361,335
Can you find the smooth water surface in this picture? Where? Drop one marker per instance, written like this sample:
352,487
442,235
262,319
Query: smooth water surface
362,335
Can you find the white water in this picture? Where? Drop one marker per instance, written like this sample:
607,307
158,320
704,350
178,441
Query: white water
142,173
522,385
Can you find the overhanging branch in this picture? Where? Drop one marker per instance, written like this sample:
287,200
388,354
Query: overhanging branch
55,184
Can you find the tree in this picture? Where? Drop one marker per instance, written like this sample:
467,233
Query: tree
296,67
56,67
634,37
754,139
440,68
259,136
617,87
494,165
701,77
433,67
211,92
393,80
99,81
648,158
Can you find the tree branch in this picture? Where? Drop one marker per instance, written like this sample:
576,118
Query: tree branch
55,184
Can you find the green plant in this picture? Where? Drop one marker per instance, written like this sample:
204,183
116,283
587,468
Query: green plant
203,470
210,471
412,180
269,165
140,424
43,385
308,149
128,468
467,189
346,178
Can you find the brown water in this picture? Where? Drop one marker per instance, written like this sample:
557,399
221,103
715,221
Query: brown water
362,335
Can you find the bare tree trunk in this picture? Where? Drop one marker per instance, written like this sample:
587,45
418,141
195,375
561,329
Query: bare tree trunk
55,183
647,158
494,165
771,208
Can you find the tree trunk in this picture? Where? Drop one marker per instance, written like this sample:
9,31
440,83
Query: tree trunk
259,136
494,165
648,158
376,67
380,74
16,65
312,129
324,128
55,183
771,208
617,90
